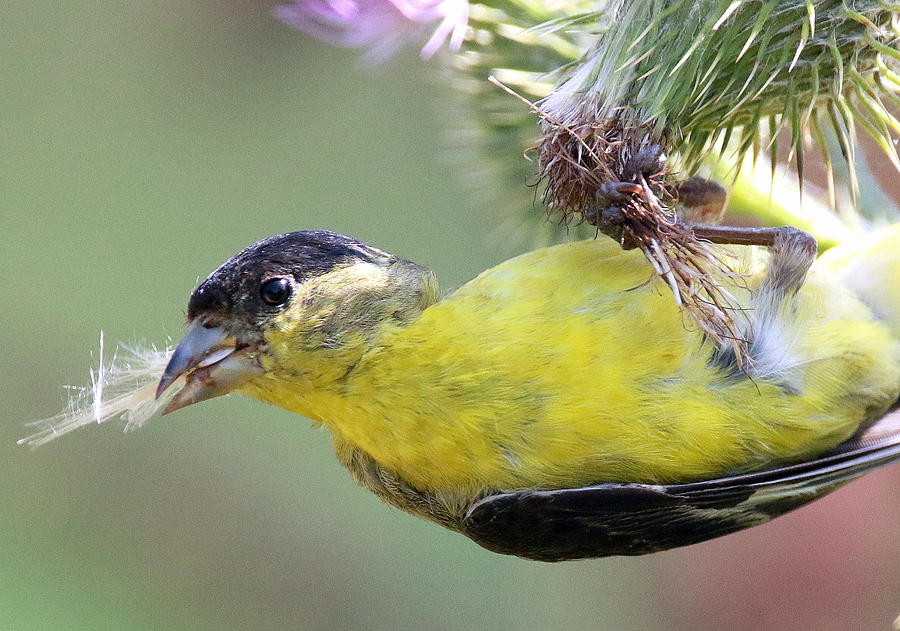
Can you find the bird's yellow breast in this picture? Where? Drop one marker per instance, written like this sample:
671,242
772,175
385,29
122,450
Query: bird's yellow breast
572,365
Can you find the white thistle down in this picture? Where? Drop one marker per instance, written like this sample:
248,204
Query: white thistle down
122,387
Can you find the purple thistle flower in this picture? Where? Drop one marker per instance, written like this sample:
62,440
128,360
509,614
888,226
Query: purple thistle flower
381,26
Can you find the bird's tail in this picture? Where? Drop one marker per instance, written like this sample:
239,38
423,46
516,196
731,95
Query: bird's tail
870,268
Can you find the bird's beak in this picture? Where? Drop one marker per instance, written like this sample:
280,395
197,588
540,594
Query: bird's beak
211,363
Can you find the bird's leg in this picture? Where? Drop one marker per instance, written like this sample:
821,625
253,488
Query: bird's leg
793,252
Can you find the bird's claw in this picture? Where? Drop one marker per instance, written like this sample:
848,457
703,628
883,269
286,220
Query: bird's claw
618,191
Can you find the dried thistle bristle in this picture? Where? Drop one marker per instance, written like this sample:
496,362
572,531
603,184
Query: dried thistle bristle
576,160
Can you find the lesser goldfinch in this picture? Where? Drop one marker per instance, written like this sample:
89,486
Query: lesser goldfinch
558,405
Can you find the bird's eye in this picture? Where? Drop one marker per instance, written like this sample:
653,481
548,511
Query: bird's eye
275,291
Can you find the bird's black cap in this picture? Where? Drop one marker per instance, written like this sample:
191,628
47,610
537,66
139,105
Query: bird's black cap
234,286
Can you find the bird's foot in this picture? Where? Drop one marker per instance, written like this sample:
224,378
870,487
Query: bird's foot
793,251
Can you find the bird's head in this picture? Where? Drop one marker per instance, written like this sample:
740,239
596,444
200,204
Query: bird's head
296,310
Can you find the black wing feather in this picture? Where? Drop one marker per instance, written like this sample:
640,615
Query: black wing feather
632,519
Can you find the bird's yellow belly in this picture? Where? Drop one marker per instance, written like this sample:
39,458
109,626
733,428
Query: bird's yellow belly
525,434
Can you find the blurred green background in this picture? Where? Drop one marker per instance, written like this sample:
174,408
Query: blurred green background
143,144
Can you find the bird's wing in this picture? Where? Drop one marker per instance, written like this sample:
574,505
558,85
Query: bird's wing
633,519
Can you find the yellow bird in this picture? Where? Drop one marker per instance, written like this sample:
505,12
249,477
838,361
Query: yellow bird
559,405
